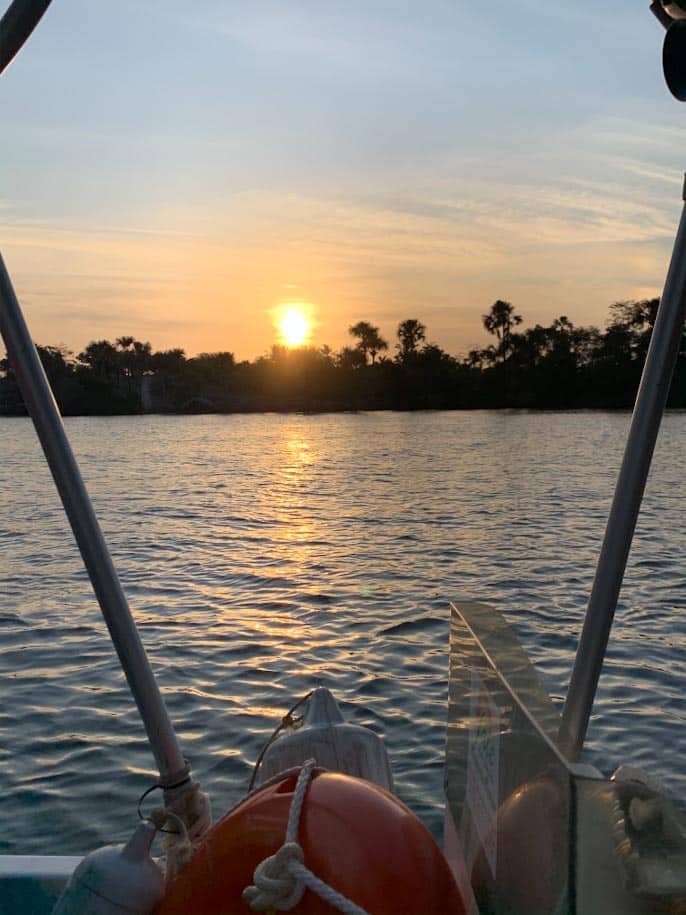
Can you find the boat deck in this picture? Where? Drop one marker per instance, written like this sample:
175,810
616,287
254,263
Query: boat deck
30,884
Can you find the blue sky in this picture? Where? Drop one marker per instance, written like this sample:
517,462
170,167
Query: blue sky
179,171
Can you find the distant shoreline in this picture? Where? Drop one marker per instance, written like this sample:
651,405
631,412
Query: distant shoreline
560,367
342,410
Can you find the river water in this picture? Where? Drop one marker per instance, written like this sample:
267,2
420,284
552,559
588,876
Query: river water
263,553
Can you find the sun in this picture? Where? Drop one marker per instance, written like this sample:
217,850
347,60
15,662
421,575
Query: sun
294,325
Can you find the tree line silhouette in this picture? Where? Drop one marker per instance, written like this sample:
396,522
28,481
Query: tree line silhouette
557,367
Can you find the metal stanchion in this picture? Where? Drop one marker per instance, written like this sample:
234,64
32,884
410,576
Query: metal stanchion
42,408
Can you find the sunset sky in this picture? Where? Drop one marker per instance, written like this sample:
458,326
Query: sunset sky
183,172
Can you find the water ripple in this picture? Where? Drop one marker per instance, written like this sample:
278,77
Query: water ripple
263,553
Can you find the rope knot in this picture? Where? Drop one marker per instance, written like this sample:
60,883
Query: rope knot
281,879
276,884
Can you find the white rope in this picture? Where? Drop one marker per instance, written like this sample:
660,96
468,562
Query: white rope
178,847
188,810
282,878
301,787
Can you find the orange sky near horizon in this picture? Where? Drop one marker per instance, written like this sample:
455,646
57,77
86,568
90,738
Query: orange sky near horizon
220,290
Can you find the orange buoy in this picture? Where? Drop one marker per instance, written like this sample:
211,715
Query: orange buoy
531,855
355,836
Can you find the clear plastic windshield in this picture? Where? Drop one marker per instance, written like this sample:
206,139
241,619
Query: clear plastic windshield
539,836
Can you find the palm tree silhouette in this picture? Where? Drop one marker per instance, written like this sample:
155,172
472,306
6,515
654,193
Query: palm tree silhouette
370,341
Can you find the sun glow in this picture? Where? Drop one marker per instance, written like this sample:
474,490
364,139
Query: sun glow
294,325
